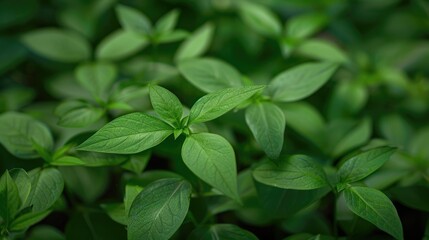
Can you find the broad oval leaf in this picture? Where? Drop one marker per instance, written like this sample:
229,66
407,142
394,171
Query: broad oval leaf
260,19
23,183
159,210
221,231
46,187
120,44
300,81
375,207
131,133
363,164
297,172
133,20
58,45
196,44
77,114
19,132
24,221
10,200
210,74
267,123
216,104
97,78
166,104
305,25
211,158
322,50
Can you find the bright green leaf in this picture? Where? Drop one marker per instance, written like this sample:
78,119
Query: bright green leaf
363,164
267,123
373,206
133,20
131,192
167,22
131,133
196,44
303,26
166,104
58,45
297,172
120,44
211,158
19,132
46,187
260,19
216,104
210,74
97,78
77,114
322,50
300,81
159,210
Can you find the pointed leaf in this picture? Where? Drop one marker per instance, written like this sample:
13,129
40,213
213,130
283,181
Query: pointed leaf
77,114
260,19
166,104
120,44
300,81
373,206
159,210
297,172
131,133
211,158
363,164
46,187
167,22
196,44
216,104
267,123
10,201
210,74
23,183
133,20
221,231
97,78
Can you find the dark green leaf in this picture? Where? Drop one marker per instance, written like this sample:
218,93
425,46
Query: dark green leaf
297,172
46,187
361,165
216,104
211,158
209,74
23,183
131,133
26,220
373,206
159,210
221,231
300,81
19,132
166,104
58,45
10,200
267,123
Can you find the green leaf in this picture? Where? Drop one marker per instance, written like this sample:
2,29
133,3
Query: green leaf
303,26
167,22
216,104
97,78
166,104
196,44
77,114
261,19
26,220
373,206
67,161
42,232
415,197
322,50
396,129
18,132
347,99
58,45
173,36
12,54
221,231
300,81
159,210
131,133
297,172
116,212
23,183
120,44
267,123
47,186
210,75
133,20
131,192
211,158
353,137
10,200
363,164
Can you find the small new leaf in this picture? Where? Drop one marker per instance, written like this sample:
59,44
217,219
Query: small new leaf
362,165
297,172
131,133
216,104
166,104
301,81
10,201
211,158
159,210
375,207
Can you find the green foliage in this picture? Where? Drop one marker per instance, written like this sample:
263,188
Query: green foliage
201,119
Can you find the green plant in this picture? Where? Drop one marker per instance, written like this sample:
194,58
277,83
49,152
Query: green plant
206,119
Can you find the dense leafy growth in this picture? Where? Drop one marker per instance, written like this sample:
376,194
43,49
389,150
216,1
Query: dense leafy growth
214,119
